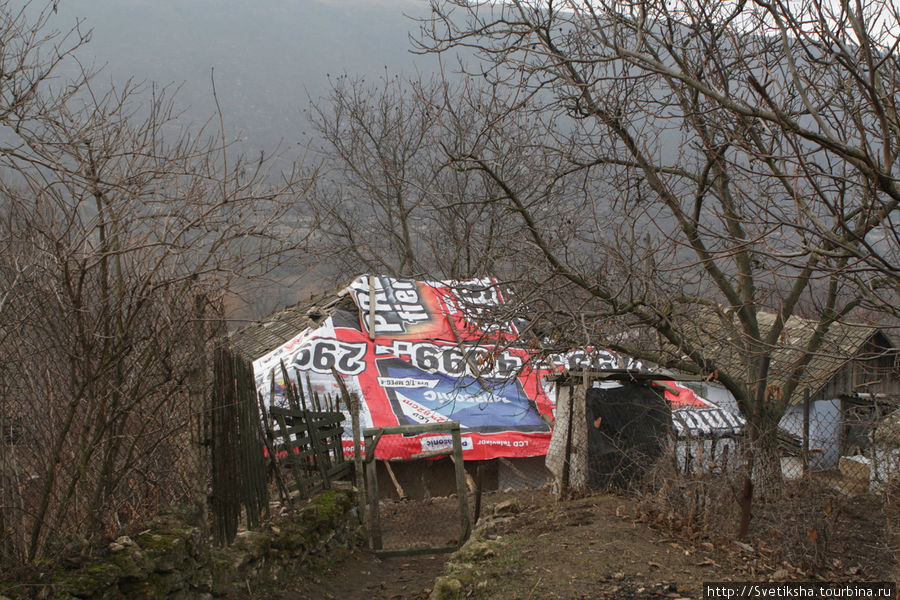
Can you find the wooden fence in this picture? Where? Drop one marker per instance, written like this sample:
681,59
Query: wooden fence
309,444
237,461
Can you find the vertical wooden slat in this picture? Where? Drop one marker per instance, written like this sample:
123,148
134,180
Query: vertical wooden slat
292,458
479,488
289,390
372,483
300,387
371,307
357,456
198,398
225,498
320,451
253,483
567,462
464,526
352,403
268,440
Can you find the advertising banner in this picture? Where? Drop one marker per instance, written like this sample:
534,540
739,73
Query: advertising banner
427,352
434,357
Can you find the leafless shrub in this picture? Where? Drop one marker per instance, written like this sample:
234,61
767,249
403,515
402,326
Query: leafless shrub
690,503
122,234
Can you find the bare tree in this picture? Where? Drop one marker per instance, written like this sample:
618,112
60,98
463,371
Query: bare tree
123,233
704,165
385,200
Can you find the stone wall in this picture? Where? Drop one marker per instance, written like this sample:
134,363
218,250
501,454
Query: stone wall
172,560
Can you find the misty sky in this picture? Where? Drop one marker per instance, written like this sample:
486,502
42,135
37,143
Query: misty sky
268,56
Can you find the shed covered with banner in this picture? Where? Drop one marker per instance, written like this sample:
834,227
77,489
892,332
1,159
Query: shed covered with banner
426,352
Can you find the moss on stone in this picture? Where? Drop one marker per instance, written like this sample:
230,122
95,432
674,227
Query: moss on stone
89,582
332,504
171,560
157,542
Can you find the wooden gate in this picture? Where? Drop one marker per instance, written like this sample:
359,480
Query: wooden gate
372,437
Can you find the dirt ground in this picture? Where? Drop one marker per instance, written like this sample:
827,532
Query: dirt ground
364,577
598,546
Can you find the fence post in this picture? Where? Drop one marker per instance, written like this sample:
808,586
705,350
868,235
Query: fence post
198,419
358,458
461,492
372,477
567,457
352,403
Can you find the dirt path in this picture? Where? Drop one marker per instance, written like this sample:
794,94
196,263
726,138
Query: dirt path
587,548
364,577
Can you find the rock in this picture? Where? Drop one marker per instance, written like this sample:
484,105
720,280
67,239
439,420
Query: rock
508,507
446,588
855,473
474,550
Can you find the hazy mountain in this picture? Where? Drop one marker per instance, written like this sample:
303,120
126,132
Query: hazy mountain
269,56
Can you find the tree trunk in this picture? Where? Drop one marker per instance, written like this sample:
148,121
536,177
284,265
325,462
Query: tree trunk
767,478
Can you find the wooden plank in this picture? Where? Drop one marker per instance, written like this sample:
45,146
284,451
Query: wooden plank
302,414
479,487
294,465
300,457
370,454
414,429
301,393
322,460
431,454
371,307
464,525
338,471
371,442
397,486
268,439
299,432
289,389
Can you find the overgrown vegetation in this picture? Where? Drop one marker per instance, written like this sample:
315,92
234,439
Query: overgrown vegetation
122,232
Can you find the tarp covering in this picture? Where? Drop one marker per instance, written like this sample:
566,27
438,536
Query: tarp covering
432,351
432,357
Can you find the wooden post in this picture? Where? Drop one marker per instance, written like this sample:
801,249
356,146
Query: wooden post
292,457
319,448
267,437
401,495
464,527
479,487
804,449
358,458
289,389
300,391
351,401
199,431
372,477
371,307
567,462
